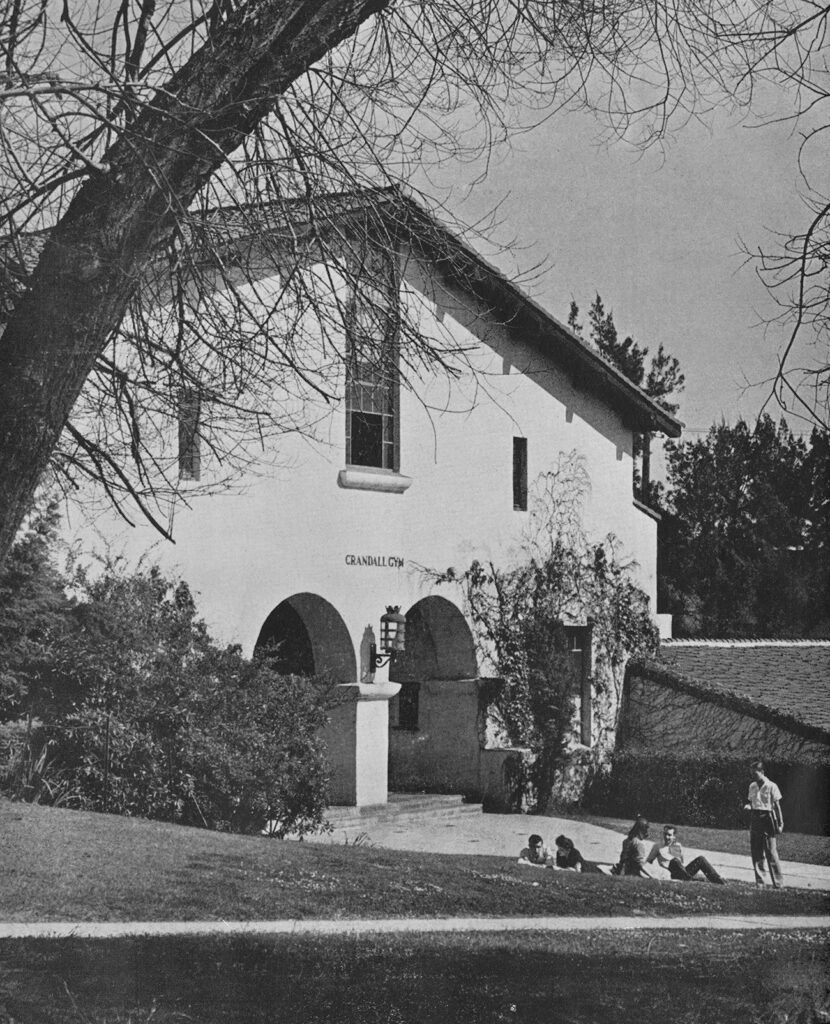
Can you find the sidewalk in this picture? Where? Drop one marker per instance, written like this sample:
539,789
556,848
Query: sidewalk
158,929
503,835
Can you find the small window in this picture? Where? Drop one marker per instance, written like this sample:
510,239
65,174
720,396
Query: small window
520,473
372,386
190,455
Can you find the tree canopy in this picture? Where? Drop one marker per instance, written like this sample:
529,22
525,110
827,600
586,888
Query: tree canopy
662,381
124,124
745,540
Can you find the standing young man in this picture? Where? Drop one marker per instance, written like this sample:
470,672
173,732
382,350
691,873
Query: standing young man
765,825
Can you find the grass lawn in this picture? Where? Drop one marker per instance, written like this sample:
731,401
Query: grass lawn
742,978
72,865
791,845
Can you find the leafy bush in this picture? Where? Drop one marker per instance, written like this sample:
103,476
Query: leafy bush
706,790
125,704
35,610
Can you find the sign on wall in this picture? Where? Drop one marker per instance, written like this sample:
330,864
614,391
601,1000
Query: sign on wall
379,561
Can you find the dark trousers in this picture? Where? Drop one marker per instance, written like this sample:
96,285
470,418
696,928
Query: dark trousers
763,843
685,873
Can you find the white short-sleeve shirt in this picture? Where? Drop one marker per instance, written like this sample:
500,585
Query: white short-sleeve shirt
763,797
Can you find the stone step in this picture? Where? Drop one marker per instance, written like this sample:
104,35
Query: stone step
403,808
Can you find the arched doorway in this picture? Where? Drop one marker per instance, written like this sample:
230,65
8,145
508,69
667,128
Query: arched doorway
306,635
434,736
439,645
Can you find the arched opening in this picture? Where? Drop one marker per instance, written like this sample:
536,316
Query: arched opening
439,645
305,635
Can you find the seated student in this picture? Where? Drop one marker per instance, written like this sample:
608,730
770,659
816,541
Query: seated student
568,858
536,854
635,851
670,857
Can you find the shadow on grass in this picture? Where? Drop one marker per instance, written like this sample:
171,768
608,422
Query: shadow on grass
580,979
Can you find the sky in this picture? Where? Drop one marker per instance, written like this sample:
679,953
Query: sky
658,235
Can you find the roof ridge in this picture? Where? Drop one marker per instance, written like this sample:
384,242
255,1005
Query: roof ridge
745,642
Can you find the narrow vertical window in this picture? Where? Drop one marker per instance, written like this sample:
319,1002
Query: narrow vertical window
372,386
579,651
190,455
520,473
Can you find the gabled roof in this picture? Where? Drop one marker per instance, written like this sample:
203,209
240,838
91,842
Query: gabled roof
451,256
531,321
788,677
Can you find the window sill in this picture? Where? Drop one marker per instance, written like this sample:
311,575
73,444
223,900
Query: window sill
364,478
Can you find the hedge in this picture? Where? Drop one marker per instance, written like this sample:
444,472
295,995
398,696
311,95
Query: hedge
707,791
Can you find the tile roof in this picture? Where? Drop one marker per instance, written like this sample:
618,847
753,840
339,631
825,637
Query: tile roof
789,677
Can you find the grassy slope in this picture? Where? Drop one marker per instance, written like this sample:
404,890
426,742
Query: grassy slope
580,979
791,845
71,865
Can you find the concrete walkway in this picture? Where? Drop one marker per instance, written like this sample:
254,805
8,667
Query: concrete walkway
422,926
504,835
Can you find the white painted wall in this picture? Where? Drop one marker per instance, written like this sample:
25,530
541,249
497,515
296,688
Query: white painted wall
291,529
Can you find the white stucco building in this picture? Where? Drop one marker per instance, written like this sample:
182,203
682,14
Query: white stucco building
310,553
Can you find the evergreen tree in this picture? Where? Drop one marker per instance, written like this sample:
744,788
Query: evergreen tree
662,381
743,548
626,355
661,378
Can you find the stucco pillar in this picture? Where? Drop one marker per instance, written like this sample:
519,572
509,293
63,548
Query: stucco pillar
357,744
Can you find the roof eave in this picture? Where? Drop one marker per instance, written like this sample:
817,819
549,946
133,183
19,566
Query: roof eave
518,311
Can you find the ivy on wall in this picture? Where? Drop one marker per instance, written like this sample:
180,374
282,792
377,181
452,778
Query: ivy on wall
519,614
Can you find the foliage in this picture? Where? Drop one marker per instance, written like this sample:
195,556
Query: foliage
705,789
661,379
519,616
744,547
125,704
35,610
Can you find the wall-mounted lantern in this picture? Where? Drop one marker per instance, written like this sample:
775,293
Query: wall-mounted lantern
392,637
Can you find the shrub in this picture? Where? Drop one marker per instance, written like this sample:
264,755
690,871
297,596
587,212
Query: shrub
126,705
706,790
35,610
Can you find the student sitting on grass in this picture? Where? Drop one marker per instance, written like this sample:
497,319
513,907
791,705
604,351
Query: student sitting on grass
568,858
634,852
670,857
536,854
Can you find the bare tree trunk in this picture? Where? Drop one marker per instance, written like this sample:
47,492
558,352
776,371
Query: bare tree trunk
99,251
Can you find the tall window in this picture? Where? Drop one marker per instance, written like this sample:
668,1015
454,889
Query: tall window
520,473
190,455
579,652
372,387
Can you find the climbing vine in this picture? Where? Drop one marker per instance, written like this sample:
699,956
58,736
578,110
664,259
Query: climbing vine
519,616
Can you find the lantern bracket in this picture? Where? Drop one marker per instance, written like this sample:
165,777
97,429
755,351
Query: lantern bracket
392,632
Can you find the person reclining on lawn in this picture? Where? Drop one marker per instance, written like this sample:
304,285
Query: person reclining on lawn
536,854
568,858
669,856
635,851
